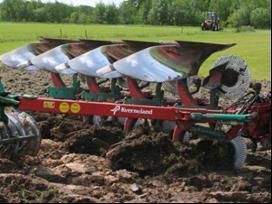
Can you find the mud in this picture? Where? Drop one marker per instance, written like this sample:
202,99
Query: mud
148,154
83,163
94,141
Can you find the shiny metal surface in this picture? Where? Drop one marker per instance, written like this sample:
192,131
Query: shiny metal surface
193,54
145,66
52,58
65,69
81,52
167,62
19,56
88,63
31,68
108,72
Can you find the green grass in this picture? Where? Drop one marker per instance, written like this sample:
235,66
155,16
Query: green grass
253,47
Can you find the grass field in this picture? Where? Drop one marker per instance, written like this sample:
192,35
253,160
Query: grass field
253,47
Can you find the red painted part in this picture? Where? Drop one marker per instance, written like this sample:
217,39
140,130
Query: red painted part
92,85
262,122
180,129
261,108
110,109
184,94
261,125
214,79
57,81
97,108
129,124
232,133
134,112
136,93
134,89
187,100
172,53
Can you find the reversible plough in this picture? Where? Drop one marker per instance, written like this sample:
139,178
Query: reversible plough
132,83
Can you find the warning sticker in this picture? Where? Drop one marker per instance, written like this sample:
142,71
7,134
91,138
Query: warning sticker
64,107
49,104
75,108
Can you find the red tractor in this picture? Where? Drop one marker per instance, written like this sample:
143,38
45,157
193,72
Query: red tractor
211,23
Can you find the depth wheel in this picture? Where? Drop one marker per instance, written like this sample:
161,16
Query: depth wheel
240,155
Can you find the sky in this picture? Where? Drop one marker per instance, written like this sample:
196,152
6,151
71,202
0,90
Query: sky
84,2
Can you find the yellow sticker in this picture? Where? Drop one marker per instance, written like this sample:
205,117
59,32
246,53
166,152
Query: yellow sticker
49,104
75,108
64,107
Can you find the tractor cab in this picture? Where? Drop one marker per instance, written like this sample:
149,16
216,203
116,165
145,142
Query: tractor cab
212,16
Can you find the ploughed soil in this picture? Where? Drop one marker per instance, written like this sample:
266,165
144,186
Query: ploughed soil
79,162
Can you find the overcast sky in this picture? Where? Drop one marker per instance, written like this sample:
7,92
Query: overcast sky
84,2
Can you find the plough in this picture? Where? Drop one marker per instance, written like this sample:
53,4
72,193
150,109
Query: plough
130,83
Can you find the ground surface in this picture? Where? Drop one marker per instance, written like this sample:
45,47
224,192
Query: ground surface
253,47
73,167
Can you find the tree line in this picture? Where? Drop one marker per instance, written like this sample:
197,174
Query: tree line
233,13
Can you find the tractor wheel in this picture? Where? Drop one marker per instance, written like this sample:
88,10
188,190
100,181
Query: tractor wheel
213,27
204,26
